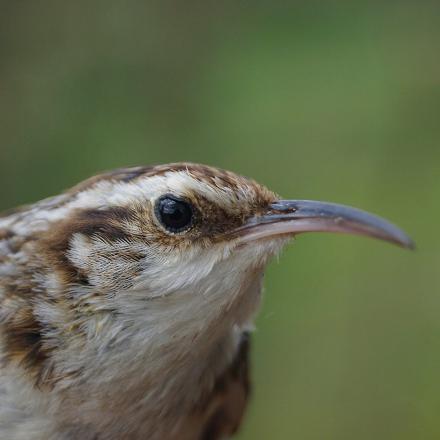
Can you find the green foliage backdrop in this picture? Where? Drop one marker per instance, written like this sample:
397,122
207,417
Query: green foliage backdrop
330,100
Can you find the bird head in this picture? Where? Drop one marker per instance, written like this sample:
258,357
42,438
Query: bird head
176,223
150,272
184,232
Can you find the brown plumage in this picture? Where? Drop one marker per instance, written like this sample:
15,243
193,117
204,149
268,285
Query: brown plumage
126,302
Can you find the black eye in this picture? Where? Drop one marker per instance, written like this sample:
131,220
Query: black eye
175,214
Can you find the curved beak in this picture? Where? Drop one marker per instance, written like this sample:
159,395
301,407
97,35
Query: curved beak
291,217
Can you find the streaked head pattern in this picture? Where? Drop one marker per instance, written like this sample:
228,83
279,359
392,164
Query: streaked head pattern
145,273
159,221
140,257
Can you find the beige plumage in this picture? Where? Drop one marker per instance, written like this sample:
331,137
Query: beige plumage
126,302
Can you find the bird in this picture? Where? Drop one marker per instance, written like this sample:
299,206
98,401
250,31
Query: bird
127,302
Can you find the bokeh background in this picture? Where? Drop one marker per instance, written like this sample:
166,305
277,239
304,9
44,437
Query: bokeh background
330,100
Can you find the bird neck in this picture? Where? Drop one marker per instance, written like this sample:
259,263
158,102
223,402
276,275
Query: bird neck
175,358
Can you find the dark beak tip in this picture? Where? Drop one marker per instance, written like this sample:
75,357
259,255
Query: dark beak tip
402,240
409,244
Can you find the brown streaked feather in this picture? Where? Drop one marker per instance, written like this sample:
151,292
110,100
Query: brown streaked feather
5,234
214,176
224,407
23,341
70,266
22,333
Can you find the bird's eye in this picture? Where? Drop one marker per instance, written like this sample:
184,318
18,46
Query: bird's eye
175,214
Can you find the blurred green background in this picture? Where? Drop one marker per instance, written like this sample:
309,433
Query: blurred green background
332,100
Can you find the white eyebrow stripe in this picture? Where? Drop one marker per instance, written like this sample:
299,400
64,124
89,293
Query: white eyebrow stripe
108,193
